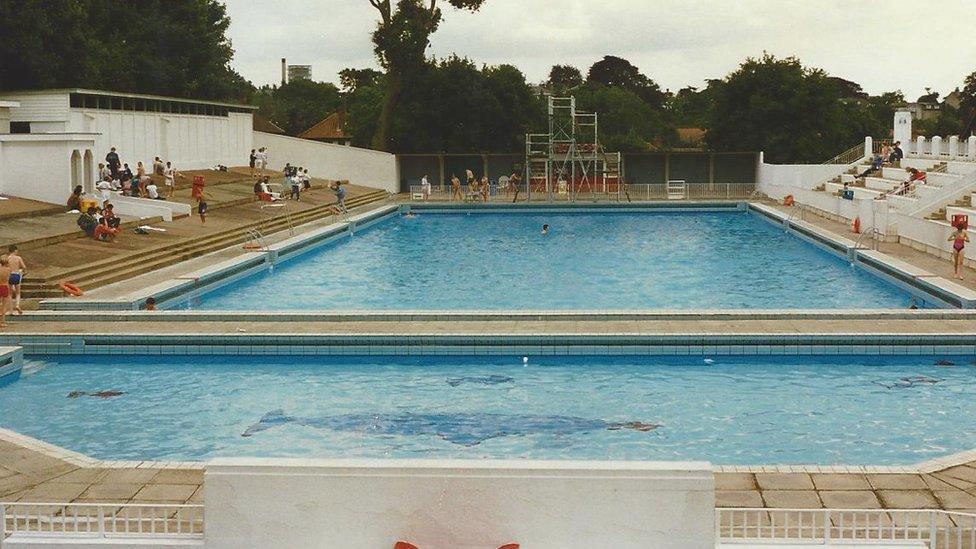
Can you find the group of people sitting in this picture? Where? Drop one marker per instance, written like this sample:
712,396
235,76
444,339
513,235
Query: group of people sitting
116,176
890,155
296,180
98,224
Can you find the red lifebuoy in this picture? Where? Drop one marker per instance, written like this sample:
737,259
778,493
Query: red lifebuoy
70,288
856,226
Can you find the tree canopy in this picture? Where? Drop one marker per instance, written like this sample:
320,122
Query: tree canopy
299,104
401,39
779,106
106,44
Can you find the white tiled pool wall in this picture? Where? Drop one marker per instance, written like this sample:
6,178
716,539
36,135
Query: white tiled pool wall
496,345
192,285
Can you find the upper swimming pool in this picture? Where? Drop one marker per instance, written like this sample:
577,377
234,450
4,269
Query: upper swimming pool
593,261
731,410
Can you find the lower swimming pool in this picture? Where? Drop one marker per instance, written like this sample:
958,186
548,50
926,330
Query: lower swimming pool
730,410
593,261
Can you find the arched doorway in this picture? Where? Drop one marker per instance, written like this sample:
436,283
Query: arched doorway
76,169
89,166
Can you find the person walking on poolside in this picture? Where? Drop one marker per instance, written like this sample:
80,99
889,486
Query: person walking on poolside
17,271
959,238
4,290
471,180
170,174
456,188
251,160
485,188
113,161
425,187
201,197
340,196
262,160
515,182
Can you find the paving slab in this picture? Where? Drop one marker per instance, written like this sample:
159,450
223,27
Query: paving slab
897,481
735,481
738,498
128,476
955,499
178,476
962,472
792,499
908,499
850,499
112,492
51,492
164,493
838,481
784,481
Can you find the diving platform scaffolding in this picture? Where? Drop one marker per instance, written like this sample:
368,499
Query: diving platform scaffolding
569,162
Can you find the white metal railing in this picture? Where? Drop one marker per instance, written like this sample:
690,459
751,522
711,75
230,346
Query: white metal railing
850,156
612,193
677,189
934,529
101,520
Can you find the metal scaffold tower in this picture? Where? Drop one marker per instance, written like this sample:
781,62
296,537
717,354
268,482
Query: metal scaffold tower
569,162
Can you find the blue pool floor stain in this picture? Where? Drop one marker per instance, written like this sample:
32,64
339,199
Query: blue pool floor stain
737,410
458,428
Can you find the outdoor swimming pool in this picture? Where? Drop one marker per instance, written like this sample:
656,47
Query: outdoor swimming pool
734,410
594,261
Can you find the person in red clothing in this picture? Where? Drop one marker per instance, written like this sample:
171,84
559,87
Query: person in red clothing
913,176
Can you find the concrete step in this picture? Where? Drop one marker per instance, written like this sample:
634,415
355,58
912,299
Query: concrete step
99,274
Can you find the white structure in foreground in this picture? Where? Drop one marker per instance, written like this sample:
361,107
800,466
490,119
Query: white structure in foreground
53,140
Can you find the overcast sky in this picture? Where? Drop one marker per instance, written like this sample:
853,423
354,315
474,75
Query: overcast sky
882,45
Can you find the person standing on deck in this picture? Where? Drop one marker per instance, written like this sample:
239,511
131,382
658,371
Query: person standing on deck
456,188
425,187
112,159
959,238
17,271
340,196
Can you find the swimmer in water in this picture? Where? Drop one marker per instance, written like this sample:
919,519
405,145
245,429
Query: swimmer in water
545,229
409,214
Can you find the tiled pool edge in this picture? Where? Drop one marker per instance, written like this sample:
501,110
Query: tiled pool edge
901,274
11,361
82,460
478,344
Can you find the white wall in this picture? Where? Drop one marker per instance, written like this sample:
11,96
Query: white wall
188,141
800,176
147,207
364,167
39,166
455,504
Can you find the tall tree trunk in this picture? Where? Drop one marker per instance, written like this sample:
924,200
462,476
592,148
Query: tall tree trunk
384,129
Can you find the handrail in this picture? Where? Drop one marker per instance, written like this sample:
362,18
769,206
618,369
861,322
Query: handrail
102,520
873,232
850,156
935,528
797,207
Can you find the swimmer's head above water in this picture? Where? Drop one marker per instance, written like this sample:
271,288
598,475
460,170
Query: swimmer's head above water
545,229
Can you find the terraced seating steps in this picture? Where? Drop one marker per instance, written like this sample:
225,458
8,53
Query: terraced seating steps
101,273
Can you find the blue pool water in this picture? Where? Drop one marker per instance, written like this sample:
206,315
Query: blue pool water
736,410
725,260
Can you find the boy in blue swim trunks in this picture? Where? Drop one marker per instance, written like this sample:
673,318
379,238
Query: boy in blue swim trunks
17,271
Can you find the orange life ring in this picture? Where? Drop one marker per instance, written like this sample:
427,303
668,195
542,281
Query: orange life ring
788,201
856,225
70,288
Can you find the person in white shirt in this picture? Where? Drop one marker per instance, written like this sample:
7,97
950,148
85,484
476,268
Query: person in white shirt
267,189
104,190
425,187
152,191
170,174
103,172
262,160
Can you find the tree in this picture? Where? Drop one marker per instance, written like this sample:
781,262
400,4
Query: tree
299,104
184,52
792,113
616,72
564,77
353,79
627,122
967,106
401,39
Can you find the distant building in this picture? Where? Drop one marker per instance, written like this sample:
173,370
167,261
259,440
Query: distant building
57,137
262,124
954,99
299,72
331,129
